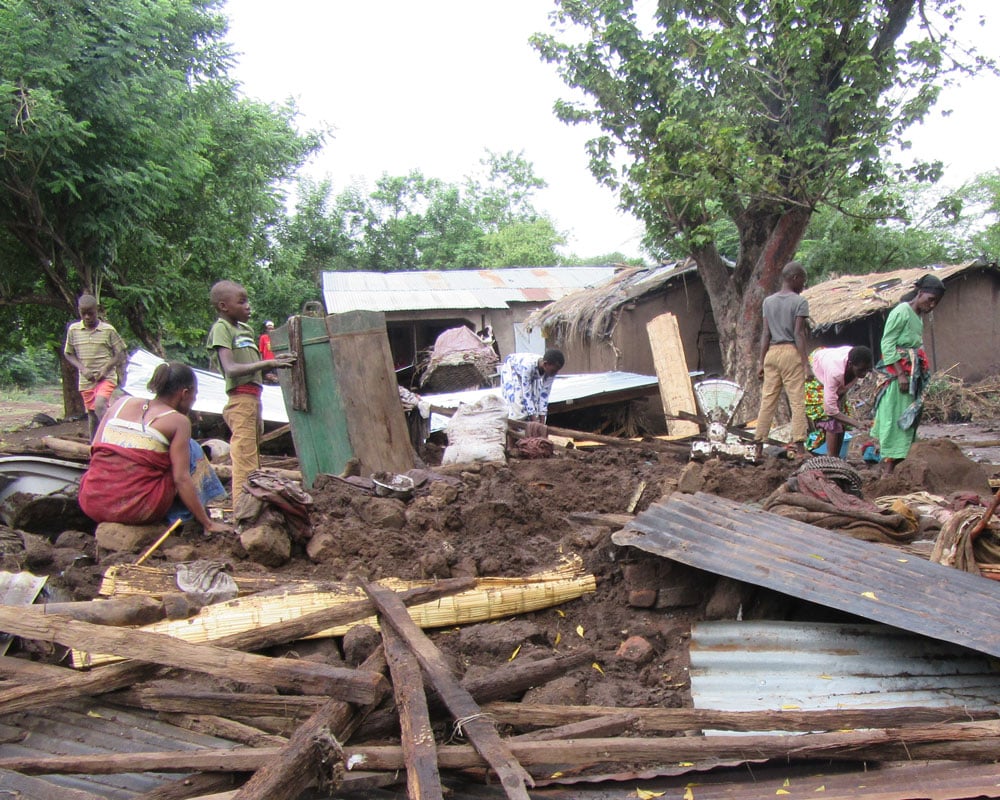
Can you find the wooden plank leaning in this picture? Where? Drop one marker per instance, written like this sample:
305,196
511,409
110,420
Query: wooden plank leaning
477,727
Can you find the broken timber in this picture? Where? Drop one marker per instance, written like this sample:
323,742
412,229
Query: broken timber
966,741
479,730
423,781
313,754
344,684
118,676
832,569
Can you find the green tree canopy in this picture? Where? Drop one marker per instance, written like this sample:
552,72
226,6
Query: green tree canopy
129,166
755,111
412,222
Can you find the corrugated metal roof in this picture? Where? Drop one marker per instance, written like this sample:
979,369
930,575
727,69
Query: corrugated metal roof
88,727
454,289
771,666
566,390
18,589
211,388
862,578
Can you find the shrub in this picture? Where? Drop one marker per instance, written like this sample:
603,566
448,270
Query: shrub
30,367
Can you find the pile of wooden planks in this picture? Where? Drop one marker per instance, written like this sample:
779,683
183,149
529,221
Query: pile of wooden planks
330,727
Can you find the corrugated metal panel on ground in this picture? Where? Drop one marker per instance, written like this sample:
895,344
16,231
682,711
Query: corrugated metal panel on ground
757,666
18,589
211,388
427,290
567,390
869,580
79,728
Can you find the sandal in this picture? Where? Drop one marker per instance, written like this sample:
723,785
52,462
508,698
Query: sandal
795,451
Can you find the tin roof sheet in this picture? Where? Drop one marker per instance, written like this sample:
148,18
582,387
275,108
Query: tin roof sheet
88,727
211,388
863,578
566,390
426,290
757,666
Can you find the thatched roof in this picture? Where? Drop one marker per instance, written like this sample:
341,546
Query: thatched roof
593,313
839,301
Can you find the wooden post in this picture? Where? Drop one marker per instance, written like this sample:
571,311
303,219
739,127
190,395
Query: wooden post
477,728
672,371
423,781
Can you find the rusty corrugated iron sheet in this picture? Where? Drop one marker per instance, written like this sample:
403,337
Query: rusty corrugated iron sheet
427,290
832,569
88,727
777,665
18,589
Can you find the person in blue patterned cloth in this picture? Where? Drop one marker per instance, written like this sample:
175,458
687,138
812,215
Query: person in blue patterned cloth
526,380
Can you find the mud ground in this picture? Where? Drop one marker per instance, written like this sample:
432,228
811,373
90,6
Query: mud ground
516,519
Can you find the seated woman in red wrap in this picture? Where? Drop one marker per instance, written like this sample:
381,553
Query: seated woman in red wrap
144,465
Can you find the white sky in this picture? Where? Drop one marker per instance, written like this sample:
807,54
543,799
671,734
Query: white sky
433,84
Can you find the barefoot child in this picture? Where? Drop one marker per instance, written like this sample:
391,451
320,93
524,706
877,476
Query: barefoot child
232,341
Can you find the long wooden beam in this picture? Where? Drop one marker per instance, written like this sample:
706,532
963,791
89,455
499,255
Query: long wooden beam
157,648
973,741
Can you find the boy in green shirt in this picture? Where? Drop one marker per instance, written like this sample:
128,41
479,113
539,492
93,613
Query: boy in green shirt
233,342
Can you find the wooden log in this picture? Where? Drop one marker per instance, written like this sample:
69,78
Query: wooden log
973,741
423,781
225,472
192,786
477,728
22,669
595,728
74,684
669,720
66,448
119,676
277,433
653,444
230,704
344,684
508,680
214,725
354,783
133,610
313,754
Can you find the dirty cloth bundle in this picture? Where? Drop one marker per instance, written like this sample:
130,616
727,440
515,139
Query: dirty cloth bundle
265,492
954,546
535,443
813,498
207,581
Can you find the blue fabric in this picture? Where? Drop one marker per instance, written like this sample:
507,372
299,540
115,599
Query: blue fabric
206,483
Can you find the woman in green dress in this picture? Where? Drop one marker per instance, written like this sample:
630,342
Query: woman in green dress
905,370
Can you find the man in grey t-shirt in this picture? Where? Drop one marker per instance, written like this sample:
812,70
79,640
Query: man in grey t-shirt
784,361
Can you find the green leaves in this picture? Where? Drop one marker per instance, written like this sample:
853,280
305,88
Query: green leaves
128,164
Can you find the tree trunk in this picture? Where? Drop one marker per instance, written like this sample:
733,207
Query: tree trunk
72,402
736,304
